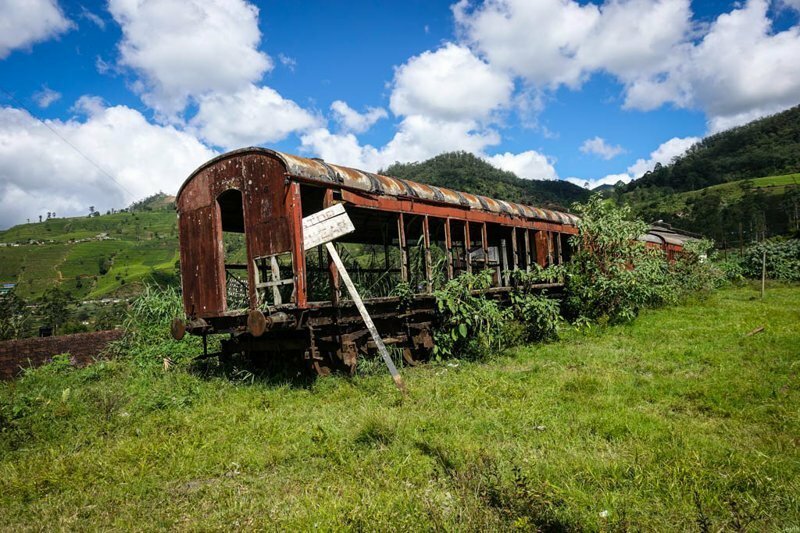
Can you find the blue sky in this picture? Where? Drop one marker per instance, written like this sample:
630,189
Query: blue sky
551,89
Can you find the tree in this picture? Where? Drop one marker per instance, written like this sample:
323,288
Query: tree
54,306
13,316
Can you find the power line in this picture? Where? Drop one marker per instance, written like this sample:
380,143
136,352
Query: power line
86,157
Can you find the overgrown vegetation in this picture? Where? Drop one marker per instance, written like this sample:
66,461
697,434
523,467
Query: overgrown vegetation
612,275
782,259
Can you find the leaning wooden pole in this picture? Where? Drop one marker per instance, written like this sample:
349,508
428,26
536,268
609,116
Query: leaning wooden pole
763,272
398,380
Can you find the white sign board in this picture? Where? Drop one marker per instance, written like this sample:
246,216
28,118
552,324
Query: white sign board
325,226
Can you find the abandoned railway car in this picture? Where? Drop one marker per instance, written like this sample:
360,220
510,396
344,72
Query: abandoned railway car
245,271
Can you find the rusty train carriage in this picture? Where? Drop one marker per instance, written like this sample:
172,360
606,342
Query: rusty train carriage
265,303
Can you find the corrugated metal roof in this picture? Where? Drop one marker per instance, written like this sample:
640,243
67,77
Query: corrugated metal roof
319,170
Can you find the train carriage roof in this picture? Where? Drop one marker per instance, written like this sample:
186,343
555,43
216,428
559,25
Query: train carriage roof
328,173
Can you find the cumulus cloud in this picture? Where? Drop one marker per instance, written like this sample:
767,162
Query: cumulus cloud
734,69
143,157
26,22
450,83
664,154
445,99
739,71
599,147
253,115
189,48
46,96
792,4
555,42
351,120
529,164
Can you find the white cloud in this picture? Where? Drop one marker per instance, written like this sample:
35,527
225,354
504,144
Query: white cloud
445,98
26,22
598,146
529,165
352,120
450,83
739,71
253,115
143,157
93,18
555,42
791,4
735,69
46,96
188,48
287,61
664,154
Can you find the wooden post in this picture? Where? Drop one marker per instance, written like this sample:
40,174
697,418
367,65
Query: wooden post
401,237
276,276
426,242
502,280
763,272
398,380
467,259
298,250
514,249
333,273
448,245
485,246
527,240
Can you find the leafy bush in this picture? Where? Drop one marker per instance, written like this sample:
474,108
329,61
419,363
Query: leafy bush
539,314
13,316
694,273
601,281
473,323
613,275
783,259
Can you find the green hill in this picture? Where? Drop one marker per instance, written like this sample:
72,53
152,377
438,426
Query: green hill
730,212
463,171
93,257
766,147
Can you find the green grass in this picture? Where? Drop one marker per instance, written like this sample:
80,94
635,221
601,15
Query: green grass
676,422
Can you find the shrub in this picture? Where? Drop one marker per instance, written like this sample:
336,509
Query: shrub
612,274
539,314
473,324
470,323
783,259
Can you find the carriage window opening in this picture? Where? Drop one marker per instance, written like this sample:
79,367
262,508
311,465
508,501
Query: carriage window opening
234,249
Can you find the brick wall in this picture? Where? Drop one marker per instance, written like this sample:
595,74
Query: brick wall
36,351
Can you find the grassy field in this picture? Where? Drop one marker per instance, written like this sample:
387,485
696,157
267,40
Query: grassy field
679,421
